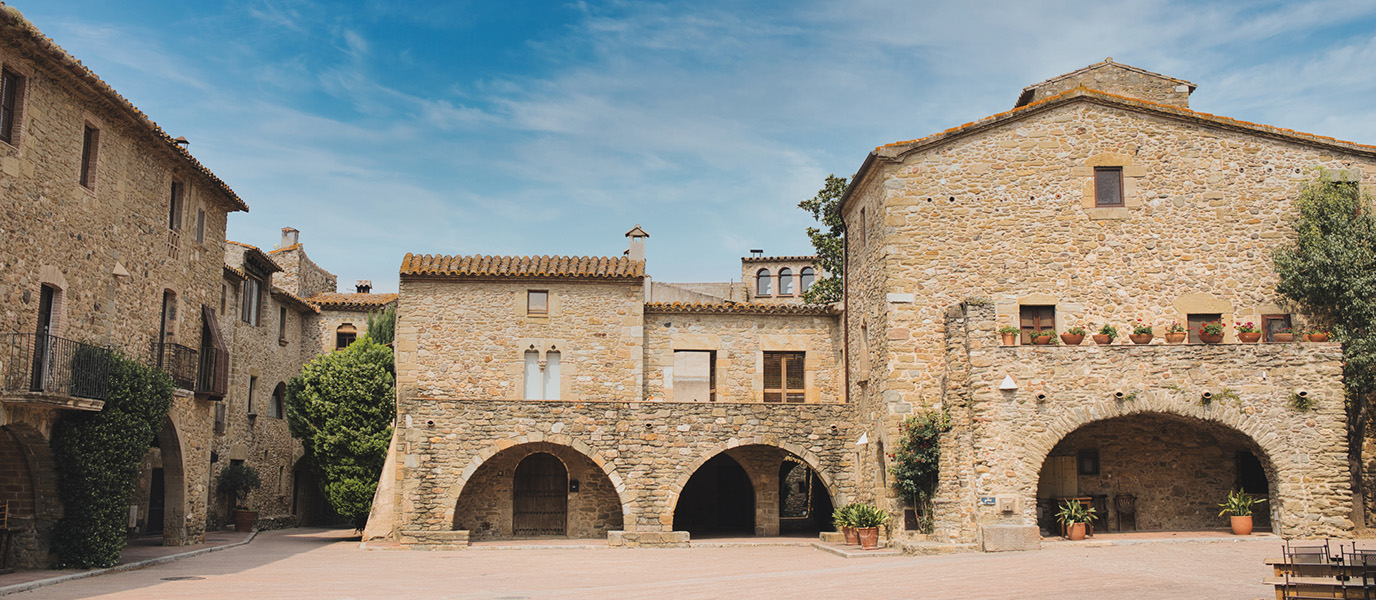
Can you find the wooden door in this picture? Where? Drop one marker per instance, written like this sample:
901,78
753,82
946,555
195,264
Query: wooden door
42,342
541,499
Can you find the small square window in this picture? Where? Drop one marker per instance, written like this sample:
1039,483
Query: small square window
1033,318
537,302
1108,186
1195,321
1087,462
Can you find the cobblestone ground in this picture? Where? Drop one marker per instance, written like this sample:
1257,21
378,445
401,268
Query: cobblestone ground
323,564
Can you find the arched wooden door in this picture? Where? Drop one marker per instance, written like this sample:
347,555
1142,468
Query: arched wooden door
540,504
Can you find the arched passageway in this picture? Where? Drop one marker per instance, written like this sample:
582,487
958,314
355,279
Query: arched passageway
718,499
307,501
162,489
1154,472
538,489
755,489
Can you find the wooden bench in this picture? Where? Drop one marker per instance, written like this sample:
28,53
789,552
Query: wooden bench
1315,588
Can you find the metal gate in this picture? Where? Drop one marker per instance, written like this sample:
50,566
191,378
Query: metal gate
541,499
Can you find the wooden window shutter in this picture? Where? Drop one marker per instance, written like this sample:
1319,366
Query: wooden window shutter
793,377
219,379
773,376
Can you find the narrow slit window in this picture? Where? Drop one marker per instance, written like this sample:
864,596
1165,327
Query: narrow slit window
1108,186
200,226
174,210
89,149
9,104
281,323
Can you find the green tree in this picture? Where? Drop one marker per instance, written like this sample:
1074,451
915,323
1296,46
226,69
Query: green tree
1330,272
828,241
382,325
341,407
98,456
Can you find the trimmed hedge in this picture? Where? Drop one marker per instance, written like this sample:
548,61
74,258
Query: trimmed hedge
98,456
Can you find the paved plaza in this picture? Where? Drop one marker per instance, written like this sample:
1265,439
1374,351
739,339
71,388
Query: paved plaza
313,563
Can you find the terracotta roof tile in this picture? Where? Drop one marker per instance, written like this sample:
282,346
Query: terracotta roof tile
291,247
352,301
294,300
808,257
12,17
479,266
752,308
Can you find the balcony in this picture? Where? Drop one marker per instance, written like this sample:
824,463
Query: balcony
180,362
46,369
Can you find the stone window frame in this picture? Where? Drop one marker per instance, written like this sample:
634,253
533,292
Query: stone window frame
542,348
281,325
88,168
764,281
1205,304
22,76
711,373
530,309
784,391
1132,173
340,333
277,409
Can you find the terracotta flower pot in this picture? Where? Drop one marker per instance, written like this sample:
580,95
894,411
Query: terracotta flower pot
1318,337
1249,338
1010,339
1076,531
1282,338
852,537
1140,338
1101,339
244,520
1176,338
1041,340
1241,525
1072,339
869,537
1211,338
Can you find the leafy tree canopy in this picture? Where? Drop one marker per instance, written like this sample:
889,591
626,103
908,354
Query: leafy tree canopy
341,407
382,325
828,240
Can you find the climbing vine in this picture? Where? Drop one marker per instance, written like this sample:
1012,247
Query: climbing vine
917,460
98,456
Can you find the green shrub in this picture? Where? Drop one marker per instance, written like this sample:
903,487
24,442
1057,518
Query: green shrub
98,456
341,407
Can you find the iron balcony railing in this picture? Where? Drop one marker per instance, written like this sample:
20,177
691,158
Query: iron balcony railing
48,364
178,361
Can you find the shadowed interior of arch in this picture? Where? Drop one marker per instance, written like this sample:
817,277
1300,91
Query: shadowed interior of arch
538,489
753,490
161,491
1154,472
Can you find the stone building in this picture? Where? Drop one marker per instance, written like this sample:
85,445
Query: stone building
574,396
114,238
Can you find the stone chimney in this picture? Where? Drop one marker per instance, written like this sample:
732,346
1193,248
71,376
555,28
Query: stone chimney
364,286
290,237
637,250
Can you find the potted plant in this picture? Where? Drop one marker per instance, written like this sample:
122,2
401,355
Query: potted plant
1010,335
1073,515
1283,335
1073,336
844,520
867,521
1239,508
1317,335
236,481
1176,333
1247,332
1141,333
1042,337
1106,335
1211,332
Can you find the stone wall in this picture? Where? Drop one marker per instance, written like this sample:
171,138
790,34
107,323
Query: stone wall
327,326
750,268
1116,79
300,275
647,451
475,334
484,508
740,341
1011,432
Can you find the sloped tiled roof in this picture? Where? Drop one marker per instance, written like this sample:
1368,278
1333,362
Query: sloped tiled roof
809,257
295,301
12,19
479,266
291,247
1105,63
742,308
253,253
333,301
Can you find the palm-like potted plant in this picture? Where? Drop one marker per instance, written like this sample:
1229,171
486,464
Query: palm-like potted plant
868,519
1106,335
1176,333
1009,334
1238,507
1073,515
1248,332
1211,332
1073,336
1141,333
236,481
844,520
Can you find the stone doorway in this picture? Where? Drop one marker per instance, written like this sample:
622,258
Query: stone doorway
540,499
487,501
161,498
1154,472
719,499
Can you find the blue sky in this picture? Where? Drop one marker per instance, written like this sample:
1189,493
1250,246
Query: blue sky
384,127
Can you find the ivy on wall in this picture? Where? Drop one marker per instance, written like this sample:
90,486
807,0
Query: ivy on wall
98,456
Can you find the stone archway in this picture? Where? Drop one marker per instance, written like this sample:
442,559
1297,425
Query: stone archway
484,502
28,477
1154,471
762,462
162,488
